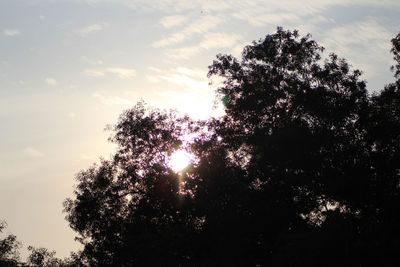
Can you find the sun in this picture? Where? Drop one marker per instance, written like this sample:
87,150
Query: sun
179,160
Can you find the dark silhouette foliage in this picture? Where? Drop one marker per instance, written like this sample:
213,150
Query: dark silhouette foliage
39,257
9,254
302,170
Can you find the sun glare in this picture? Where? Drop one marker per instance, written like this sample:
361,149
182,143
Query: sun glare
179,160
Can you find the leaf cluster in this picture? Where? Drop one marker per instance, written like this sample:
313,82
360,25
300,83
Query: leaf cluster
303,166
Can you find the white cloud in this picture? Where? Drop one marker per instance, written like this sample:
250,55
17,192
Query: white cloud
236,51
219,40
11,32
368,34
123,73
200,26
173,39
206,6
210,41
154,69
189,82
190,79
89,29
203,25
257,19
191,72
51,81
172,21
92,62
94,73
364,44
32,152
112,100
284,12
183,53
41,17
153,79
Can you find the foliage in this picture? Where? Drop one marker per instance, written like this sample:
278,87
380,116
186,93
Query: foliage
396,52
41,257
302,170
123,204
9,246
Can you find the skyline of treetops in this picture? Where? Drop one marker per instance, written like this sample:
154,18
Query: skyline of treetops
301,169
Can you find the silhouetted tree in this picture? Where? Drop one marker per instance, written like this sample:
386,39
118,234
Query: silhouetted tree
42,257
129,210
296,124
396,52
301,170
9,254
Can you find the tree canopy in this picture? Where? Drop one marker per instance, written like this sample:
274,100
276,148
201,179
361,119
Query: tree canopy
9,254
303,169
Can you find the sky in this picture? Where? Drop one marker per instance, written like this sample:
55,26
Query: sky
70,67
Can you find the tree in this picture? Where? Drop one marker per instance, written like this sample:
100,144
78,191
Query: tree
41,257
303,166
126,205
9,254
396,52
300,125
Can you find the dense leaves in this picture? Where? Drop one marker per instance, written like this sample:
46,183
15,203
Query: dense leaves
303,169
9,254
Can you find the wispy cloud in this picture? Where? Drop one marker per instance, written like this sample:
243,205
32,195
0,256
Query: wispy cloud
200,26
204,24
191,79
172,21
305,6
210,41
219,40
94,73
154,69
32,152
89,29
51,81
122,73
112,100
183,52
372,41
11,32
189,82
256,19
173,39
178,6
92,62
153,78
236,50
192,72
368,34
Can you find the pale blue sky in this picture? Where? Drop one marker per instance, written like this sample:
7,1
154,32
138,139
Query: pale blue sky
69,67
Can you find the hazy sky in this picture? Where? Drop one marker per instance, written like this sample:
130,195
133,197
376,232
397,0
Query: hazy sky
69,67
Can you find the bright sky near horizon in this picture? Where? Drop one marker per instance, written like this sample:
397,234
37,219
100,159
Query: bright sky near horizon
69,67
